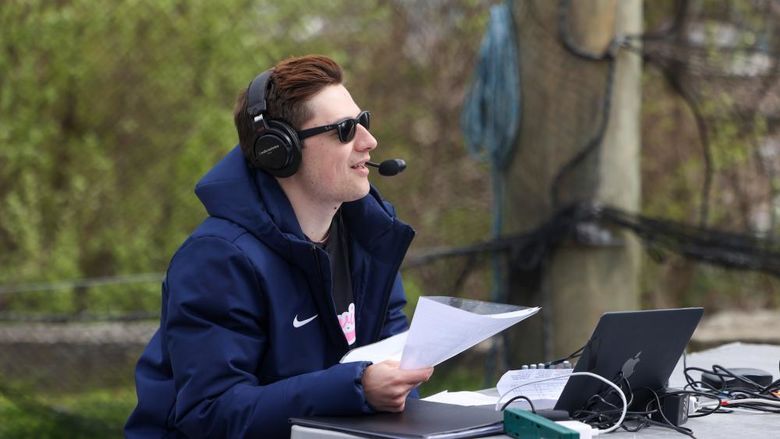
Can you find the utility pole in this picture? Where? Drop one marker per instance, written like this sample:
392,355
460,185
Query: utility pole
562,108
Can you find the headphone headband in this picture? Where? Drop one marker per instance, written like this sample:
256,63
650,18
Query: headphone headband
255,95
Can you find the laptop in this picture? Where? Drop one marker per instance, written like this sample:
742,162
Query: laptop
641,346
419,420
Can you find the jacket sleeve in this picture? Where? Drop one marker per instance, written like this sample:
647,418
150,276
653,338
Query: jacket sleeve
214,333
395,321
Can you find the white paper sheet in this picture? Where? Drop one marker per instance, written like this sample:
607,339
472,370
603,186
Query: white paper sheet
543,394
390,348
442,327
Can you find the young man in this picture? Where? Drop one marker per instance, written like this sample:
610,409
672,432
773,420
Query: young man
296,264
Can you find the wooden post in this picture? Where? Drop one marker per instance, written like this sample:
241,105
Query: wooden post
562,106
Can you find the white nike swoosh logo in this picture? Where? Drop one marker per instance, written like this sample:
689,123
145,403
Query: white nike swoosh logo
298,323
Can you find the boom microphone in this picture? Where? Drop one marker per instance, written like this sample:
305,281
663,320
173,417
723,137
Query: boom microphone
388,168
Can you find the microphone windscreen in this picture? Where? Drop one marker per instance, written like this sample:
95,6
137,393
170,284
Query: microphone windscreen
391,167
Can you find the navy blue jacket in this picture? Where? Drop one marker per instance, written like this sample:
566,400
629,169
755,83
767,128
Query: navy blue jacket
227,360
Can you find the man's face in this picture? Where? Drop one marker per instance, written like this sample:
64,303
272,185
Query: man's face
332,172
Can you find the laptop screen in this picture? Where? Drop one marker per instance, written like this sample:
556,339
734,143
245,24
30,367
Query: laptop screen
638,349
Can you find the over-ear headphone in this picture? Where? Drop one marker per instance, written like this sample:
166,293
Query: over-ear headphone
275,147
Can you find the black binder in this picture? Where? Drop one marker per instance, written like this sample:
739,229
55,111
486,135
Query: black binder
419,420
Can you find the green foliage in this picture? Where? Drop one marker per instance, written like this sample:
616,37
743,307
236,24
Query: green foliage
109,114
413,292
100,413
447,377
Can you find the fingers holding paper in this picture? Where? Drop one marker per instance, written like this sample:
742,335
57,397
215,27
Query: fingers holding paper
386,385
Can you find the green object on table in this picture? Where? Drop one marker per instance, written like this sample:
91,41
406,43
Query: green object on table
526,425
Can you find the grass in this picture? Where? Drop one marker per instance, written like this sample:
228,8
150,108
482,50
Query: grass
101,413
94,414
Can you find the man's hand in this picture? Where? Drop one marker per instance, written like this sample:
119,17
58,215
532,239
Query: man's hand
386,386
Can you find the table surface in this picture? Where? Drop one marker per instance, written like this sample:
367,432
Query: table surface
738,424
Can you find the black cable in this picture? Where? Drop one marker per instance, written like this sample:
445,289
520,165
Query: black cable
754,391
568,41
691,381
606,103
527,251
599,412
515,398
696,386
593,412
642,422
575,354
774,386
728,373
677,428
681,430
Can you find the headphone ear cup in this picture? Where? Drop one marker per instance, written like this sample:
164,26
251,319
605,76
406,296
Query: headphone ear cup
277,150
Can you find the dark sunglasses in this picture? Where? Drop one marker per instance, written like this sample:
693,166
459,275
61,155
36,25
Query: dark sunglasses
346,128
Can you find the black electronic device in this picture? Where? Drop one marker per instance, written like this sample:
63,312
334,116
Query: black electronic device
722,381
275,147
640,348
388,168
420,419
674,409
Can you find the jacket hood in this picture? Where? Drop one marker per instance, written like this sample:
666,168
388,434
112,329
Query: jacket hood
254,200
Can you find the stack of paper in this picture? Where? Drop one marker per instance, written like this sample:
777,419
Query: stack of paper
442,327
542,386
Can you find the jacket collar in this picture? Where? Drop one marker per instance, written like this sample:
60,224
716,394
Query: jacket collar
253,199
